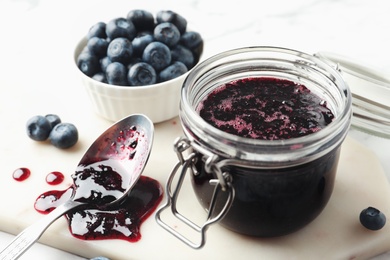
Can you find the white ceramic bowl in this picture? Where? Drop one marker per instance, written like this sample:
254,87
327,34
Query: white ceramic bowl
159,102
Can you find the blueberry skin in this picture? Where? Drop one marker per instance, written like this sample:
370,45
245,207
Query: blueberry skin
98,46
64,135
172,17
191,39
120,50
99,258
142,19
167,33
174,70
104,62
120,27
97,30
53,119
88,63
373,219
116,74
141,74
38,128
100,76
158,55
184,55
140,42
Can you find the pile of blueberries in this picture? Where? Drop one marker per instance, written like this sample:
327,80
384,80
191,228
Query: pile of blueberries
61,135
140,49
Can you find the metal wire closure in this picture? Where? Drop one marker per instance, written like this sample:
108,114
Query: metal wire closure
222,184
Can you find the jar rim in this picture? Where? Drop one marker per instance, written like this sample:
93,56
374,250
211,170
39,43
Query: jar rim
331,135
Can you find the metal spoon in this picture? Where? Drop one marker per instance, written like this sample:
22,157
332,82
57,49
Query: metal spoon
124,148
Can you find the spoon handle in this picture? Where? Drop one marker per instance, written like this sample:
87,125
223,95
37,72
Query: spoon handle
32,233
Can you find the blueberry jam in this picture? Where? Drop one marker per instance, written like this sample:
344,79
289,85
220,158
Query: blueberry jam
265,108
21,174
54,178
269,200
103,176
117,221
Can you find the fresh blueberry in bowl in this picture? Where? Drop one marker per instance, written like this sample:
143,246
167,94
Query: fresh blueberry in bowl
64,135
174,70
184,55
140,42
97,30
172,17
98,46
116,74
142,74
88,63
167,33
158,55
120,50
120,27
143,20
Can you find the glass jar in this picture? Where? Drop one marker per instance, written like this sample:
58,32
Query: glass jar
254,187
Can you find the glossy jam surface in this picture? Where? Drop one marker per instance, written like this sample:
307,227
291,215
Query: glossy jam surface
117,221
265,108
55,178
21,174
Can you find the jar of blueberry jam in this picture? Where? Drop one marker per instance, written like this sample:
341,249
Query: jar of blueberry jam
263,127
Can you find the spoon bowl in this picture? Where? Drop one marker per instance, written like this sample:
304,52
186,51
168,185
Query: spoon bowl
105,174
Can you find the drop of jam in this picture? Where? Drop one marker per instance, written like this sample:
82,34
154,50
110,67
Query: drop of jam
118,221
21,174
54,178
265,108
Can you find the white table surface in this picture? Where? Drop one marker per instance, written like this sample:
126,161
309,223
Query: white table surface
38,37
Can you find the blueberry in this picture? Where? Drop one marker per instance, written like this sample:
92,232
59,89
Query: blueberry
99,258
373,219
142,19
97,30
167,33
38,128
140,42
141,74
193,41
100,76
120,27
53,119
184,55
64,135
104,62
158,55
88,63
116,74
120,50
172,17
98,46
172,71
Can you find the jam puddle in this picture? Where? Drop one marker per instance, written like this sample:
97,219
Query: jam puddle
117,221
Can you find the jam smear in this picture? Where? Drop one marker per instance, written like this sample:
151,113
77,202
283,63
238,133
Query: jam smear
265,108
21,174
54,178
117,221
